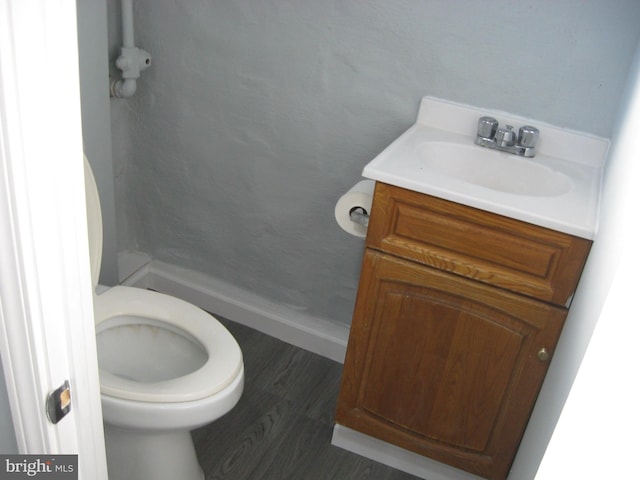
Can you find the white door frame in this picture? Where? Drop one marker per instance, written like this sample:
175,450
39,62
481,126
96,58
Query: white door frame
47,334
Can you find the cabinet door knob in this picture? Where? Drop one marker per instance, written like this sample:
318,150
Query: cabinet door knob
543,354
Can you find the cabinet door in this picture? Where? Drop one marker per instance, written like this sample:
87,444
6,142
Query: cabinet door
443,366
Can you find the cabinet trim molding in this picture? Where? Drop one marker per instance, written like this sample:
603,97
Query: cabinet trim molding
476,244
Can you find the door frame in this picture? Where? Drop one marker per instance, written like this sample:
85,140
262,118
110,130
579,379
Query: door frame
47,333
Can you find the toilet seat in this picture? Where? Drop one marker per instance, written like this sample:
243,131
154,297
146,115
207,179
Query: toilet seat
222,367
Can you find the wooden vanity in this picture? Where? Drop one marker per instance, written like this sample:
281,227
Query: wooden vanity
457,317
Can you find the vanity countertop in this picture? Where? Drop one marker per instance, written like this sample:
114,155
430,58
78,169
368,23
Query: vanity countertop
559,188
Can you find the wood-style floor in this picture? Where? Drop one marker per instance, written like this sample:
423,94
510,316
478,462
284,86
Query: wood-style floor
281,427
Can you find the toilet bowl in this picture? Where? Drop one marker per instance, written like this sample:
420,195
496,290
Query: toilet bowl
166,368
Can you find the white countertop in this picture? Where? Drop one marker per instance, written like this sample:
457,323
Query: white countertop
580,157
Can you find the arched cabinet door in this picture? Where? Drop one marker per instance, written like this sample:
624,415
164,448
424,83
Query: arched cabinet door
444,366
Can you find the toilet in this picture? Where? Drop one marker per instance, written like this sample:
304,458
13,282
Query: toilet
166,368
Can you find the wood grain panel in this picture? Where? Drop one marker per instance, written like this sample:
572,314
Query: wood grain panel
453,360
483,246
444,366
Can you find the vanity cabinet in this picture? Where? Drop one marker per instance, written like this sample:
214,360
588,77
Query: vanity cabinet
457,316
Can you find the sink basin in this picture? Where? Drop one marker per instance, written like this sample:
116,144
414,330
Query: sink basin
559,188
493,169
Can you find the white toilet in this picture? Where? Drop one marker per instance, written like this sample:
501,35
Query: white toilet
166,367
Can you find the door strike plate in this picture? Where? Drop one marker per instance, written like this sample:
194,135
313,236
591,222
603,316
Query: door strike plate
59,402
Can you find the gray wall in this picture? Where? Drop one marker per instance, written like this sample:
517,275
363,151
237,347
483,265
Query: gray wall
256,116
96,121
8,445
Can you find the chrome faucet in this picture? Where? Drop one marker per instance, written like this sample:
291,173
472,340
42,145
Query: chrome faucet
505,139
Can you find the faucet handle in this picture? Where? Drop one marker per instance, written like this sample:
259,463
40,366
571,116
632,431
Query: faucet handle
528,136
487,127
506,137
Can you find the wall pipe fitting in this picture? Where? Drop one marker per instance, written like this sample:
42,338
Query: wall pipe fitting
132,60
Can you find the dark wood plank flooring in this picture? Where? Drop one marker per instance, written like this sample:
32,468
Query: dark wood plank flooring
281,427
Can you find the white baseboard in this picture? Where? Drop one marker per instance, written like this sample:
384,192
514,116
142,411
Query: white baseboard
130,264
315,334
395,457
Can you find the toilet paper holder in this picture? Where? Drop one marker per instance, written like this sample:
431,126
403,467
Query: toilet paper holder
353,208
360,216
